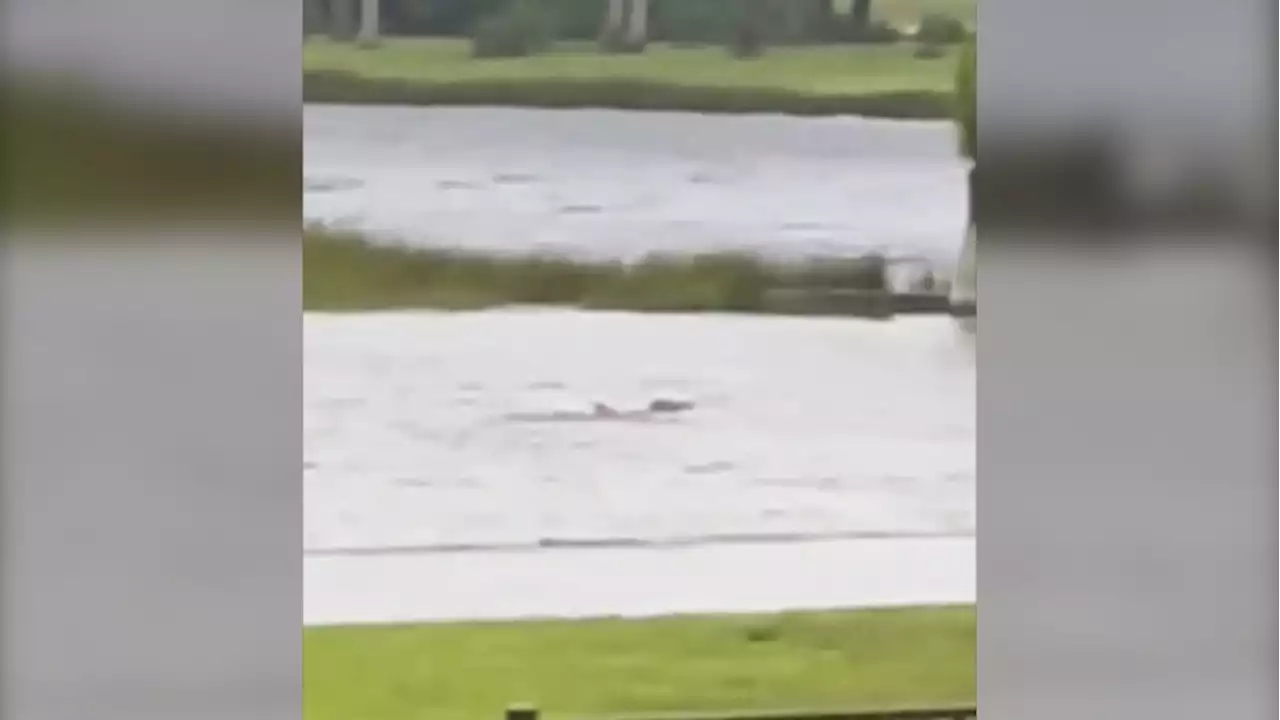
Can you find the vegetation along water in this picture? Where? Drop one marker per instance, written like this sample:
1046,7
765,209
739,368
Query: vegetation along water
890,58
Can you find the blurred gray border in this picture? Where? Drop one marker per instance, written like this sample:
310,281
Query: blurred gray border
152,505
1126,541
1127,487
151,513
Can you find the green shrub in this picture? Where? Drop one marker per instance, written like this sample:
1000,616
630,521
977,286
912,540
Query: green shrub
929,51
966,101
314,18
689,22
577,19
616,41
747,41
524,29
939,29
748,29
877,32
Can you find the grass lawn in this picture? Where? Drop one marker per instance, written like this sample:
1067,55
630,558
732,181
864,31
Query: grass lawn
818,70
471,671
873,80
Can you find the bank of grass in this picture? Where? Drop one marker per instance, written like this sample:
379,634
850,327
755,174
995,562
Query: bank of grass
346,272
872,80
471,671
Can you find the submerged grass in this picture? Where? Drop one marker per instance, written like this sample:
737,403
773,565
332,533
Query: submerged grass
873,80
471,671
343,272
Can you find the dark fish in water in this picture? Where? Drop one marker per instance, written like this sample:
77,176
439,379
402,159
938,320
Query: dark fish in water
661,405
602,411
667,405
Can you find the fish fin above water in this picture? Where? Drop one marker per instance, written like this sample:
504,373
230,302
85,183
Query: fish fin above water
670,405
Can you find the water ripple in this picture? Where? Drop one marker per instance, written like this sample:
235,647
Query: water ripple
623,185
801,426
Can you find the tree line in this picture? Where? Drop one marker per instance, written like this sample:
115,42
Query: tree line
662,20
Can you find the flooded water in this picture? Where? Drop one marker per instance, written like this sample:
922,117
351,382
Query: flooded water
504,463
431,430
439,444
621,184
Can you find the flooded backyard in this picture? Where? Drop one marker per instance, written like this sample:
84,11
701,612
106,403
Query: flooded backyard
456,464
427,429
609,184
439,444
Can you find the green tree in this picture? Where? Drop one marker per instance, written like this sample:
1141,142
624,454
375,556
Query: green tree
750,29
691,20
343,19
315,17
861,14
966,97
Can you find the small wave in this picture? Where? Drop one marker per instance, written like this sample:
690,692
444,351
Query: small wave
633,543
710,468
456,185
580,209
515,178
330,184
586,416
